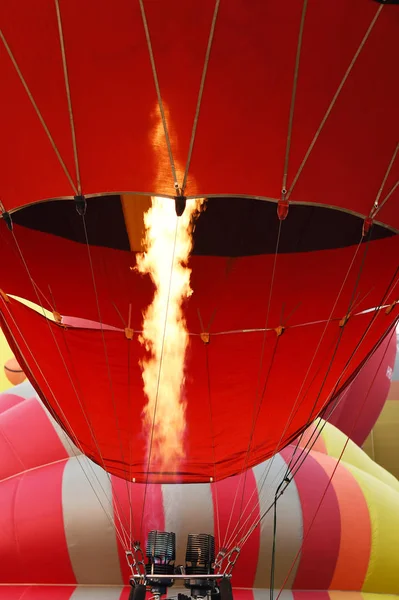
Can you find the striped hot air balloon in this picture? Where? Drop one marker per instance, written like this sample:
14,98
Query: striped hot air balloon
50,511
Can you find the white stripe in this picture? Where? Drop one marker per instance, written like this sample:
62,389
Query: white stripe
187,509
289,525
24,390
90,536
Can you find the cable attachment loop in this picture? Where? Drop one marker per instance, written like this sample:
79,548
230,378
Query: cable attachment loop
344,320
6,216
389,308
283,206
230,556
180,200
4,296
205,337
135,560
367,225
80,205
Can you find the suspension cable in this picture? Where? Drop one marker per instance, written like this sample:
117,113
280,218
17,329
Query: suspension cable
293,473
84,412
76,443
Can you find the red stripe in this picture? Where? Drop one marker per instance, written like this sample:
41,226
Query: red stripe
245,569
322,537
154,517
355,542
28,446
313,595
243,594
33,543
8,400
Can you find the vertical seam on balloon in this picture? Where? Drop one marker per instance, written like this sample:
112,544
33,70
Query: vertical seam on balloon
293,96
158,91
334,99
38,113
68,93
200,94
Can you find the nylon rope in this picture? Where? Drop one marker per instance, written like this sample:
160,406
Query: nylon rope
38,113
387,172
388,290
88,421
334,99
158,91
262,354
109,375
340,335
348,437
75,444
293,96
284,183
263,479
200,94
68,93
214,483
328,321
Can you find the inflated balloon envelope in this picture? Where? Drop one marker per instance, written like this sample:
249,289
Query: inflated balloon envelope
256,117
292,139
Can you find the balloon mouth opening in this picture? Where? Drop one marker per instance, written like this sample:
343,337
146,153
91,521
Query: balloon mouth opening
249,225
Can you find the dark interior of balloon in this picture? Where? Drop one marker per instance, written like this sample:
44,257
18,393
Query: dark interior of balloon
229,226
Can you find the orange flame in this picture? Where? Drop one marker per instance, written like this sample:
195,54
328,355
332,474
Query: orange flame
168,243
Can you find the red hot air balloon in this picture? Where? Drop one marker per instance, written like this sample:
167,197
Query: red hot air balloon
291,136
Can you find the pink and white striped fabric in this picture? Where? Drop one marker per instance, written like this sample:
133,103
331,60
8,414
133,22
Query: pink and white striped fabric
59,513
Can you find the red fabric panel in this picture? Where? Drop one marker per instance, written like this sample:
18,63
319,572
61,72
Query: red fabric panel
26,501
24,446
229,296
306,283
313,595
234,363
125,501
242,594
228,490
245,107
320,548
